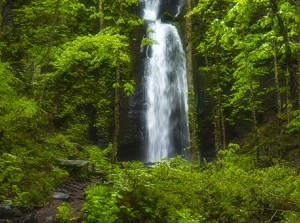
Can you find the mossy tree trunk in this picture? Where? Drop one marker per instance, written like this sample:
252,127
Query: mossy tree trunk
298,51
219,123
115,145
101,20
1,14
191,94
276,78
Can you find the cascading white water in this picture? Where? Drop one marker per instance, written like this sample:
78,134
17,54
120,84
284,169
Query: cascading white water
166,89
151,9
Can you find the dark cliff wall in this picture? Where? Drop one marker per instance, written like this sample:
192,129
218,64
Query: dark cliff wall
132,110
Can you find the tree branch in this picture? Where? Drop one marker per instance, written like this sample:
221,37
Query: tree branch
19,112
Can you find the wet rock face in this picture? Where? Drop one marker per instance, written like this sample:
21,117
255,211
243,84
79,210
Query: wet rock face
131,142
132,120
170,6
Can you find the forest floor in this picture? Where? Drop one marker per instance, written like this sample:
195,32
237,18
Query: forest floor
72,192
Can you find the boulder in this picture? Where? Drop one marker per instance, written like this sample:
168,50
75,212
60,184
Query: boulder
5,210
61,196
77,168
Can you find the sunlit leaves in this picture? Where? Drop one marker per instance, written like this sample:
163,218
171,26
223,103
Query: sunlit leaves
231,189
148,42
129,88
117,14
92,50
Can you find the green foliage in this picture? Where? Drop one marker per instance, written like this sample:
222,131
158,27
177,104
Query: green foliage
64,213
129,88
294,125
148,42
85,69
103,205
117,14
99,158
28,177
149,30
62,145
242,48
229,190
56,75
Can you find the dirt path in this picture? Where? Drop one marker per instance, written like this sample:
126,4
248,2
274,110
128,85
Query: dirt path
72,192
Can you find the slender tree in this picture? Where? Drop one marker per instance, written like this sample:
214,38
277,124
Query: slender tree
293,83
219,122
1,14
117,110
194,143
101,20
298,51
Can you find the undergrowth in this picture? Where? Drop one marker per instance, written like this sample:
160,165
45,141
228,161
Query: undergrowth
29,174
232,189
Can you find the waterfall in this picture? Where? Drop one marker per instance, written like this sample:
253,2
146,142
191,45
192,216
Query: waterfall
166,89
151,9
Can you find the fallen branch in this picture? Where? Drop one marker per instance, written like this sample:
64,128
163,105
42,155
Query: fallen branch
19,112
272,217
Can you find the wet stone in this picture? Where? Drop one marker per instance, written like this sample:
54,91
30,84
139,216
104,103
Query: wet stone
61,196
17,212
50,219
74,163
30,218
5,210
77,168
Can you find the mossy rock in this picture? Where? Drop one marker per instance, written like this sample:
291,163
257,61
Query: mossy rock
77,168
167,17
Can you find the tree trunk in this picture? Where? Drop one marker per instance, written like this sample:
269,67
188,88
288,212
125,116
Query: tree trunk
115,145
276,78
275,62
219,124
288,104
298,51
191,94
277,87
1,15
220,138
293,83
101,21
253,109
256,131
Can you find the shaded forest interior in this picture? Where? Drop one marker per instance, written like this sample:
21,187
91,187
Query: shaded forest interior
70,88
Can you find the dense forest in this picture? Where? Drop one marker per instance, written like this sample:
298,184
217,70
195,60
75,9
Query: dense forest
68,67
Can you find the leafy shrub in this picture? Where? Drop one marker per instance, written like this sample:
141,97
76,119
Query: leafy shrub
27,178
231,189
102,206
64,213
98,157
